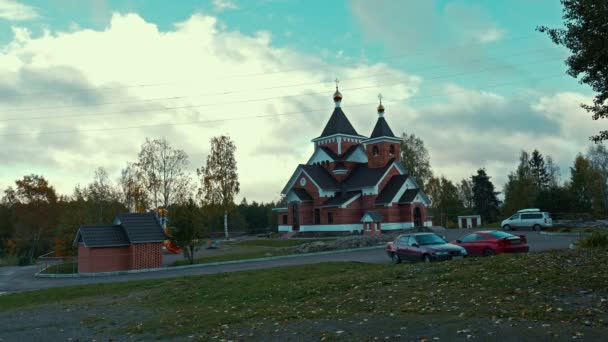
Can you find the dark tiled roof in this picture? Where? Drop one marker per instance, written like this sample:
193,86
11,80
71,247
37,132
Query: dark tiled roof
329,152
382,129
376,217
102,236
391,189
348,152
364,176
141,227
409,195
340,199
321,176
338,123
302,194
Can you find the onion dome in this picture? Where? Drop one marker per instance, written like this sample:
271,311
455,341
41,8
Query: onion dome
380,106
337,95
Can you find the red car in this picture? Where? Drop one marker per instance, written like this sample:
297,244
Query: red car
490,242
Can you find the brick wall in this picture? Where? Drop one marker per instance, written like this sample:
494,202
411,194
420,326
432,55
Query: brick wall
146,255
384,156
102,259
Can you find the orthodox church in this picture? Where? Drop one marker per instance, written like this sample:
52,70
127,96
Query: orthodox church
353,183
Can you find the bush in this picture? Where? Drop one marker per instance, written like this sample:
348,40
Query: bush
595,240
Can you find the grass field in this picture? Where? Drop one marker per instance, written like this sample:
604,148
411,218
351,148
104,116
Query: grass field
556,293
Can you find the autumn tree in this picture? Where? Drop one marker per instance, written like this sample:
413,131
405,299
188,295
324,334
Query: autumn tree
163,171
416,159
585,185
538,170
586,36
133,191
187,228
446,202
521,190
219,180
35,206
598,157
484,196
465,193
102,194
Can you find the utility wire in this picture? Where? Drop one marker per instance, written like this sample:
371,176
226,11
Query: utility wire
436,66
260,116
316,67
242,101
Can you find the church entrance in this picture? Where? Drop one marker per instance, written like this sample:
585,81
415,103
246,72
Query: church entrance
296,217
417,217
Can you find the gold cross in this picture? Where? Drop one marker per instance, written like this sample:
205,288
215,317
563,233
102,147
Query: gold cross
337,83
380,98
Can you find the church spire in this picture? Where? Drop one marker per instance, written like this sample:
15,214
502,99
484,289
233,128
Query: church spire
337,95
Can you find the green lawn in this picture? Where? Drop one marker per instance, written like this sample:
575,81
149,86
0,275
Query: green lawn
567,288
261,253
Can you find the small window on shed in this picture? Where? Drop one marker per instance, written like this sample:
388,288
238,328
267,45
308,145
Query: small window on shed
330,218
375,151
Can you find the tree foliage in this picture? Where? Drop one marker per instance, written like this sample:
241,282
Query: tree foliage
188,227
446,202
163,172
219,179
484,196
416,159
585,185
586,36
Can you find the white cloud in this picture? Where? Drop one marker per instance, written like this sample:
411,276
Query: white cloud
222,5
491,35
14,11
197,58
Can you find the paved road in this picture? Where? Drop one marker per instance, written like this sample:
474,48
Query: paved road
14,279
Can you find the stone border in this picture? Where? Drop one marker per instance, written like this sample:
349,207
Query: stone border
564,234
219,263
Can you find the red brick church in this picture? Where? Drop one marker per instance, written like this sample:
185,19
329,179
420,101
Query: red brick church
353,183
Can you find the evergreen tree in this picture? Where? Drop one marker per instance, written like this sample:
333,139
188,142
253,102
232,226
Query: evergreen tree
465,193
484,196
538,169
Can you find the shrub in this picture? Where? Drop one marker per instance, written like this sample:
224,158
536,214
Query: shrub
595,240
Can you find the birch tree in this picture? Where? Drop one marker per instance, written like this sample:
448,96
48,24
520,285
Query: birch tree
219,179
163,171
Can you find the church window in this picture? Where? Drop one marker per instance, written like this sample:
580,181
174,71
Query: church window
375,151
391,150
330,218
284,219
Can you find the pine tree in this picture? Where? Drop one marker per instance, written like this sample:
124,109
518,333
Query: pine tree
484,196
538,170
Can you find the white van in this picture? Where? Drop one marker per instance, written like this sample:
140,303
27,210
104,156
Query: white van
528,219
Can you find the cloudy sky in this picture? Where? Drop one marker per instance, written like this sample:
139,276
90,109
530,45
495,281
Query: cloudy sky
83,83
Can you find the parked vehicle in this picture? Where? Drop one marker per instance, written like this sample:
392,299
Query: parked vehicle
424,247
490,242
528,219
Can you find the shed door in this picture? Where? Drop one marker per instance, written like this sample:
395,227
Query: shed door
474,222
463,223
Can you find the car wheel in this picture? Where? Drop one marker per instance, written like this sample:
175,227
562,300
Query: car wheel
506,227
488,252
537,228
426,258
395,258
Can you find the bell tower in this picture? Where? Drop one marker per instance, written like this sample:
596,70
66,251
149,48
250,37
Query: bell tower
382,146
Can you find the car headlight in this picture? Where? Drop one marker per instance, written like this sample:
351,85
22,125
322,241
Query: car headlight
463,251
440,253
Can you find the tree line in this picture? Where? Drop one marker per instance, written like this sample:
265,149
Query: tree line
36,219
534,183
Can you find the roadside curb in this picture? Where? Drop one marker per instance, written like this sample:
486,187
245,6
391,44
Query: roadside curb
564,234
183,267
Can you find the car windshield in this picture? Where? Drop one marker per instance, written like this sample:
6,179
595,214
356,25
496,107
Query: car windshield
500,235
430,239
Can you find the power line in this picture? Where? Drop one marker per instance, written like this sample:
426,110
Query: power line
434,50
259,116
436,66
240,101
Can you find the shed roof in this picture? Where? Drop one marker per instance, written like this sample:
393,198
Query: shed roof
141,227
102,236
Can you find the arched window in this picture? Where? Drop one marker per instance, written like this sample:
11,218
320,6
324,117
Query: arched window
375,151
391,150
